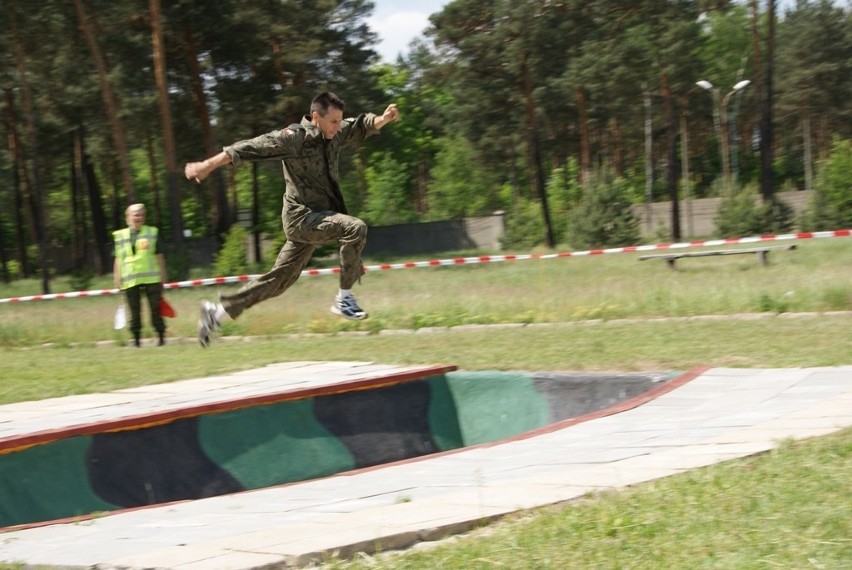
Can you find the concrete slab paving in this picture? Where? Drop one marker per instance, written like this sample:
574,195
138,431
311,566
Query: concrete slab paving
719,415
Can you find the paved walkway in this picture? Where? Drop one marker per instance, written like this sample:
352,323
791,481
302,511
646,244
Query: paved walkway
718,414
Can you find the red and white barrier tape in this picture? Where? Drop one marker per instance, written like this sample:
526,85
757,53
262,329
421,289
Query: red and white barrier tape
455,261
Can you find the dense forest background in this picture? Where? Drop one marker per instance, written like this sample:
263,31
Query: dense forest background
559,113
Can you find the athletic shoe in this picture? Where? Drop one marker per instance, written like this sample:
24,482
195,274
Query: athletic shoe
347,307
207,323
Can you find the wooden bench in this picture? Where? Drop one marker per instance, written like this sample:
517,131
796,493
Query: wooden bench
762,254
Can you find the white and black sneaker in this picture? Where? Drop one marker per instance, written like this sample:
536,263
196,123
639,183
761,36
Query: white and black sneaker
347,307
207,323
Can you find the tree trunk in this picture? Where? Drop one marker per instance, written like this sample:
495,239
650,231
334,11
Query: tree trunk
16,160
79,244
585,143
671,152
117,207
220,216
617,147
110,102
422,185
152,178
806,138
684,166
172,174
96,208
4,262
767,135
514,175
532,141
279,66
37,202
649,159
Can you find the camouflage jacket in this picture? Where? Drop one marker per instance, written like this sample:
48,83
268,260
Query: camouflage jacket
310,162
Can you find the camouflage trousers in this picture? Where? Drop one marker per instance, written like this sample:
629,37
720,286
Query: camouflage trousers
318,228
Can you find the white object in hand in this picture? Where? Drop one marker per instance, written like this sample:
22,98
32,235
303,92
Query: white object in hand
119,321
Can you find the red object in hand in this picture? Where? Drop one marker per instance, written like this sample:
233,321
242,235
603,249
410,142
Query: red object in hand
166,310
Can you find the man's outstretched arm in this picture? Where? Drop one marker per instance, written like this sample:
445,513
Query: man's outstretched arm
390,115
198,171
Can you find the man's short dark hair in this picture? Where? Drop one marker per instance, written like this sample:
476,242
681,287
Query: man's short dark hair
324,101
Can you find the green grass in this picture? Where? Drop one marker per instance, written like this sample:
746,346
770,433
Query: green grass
642,345
617,286
785,509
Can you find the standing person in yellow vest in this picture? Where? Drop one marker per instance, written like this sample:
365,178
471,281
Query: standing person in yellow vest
140,267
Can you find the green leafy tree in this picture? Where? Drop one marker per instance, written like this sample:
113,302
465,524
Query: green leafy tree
501,61
831,205
410,142
604,217
744,214
814,90
523,229
460,186
564,191
388,200
232,258
527,86
725,44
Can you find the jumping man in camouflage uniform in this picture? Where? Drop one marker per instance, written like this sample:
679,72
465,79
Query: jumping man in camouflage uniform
314,212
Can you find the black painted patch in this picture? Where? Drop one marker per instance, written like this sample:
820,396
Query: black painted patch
382,425
155,465
573,395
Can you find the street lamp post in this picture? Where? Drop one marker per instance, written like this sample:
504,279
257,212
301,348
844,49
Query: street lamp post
720,122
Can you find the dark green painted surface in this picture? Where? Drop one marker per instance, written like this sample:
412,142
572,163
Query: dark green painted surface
272,444
443,415
491,406
47,482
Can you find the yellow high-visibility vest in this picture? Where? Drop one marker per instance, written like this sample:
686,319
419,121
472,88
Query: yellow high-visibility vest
140,267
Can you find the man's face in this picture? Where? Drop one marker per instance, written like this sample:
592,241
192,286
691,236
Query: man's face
330,124
136,219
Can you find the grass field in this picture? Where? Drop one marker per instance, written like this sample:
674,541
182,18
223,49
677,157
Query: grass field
785,509
814,278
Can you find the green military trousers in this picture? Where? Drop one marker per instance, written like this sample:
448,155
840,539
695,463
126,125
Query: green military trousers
317,228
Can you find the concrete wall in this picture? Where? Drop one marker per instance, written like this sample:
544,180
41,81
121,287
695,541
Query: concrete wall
703,214
431,237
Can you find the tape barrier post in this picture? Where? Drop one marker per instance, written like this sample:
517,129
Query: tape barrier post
456,261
